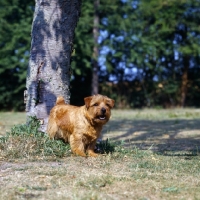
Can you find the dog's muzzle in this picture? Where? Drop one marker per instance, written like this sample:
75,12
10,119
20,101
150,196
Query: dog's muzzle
103,112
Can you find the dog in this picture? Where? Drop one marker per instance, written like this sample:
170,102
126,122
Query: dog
80,126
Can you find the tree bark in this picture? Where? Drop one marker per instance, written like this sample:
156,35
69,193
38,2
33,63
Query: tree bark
95,65
49,70
184,81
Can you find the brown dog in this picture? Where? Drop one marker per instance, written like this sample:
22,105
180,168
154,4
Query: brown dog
80,126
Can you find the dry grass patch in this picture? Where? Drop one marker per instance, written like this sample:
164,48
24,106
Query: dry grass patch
136,175
140,161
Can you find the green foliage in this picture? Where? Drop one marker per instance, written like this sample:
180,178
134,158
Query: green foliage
15,28
105,147
160,39
81,60
156,39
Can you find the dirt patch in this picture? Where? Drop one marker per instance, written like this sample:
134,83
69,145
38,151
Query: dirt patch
159,159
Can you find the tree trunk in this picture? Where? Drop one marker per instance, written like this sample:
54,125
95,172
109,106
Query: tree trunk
95,66
48,74
184,81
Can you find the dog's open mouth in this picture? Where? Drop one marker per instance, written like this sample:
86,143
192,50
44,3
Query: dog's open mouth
102,117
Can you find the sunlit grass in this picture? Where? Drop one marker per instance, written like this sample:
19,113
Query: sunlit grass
33,166
8,119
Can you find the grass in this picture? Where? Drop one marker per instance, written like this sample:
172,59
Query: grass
25,141
9,119
150,154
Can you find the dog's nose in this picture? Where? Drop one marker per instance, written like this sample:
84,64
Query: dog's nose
103,110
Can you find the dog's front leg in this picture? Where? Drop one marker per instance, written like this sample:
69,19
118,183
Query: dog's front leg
91,148
77,145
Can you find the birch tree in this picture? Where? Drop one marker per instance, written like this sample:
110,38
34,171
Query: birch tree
49,70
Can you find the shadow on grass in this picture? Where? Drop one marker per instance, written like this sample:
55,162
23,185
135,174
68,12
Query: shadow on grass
177,135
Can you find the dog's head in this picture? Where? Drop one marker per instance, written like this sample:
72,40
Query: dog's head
99,108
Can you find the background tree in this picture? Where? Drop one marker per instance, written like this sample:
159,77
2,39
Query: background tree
148,52
49,70
82,56
15,29
157,42
85,76
179,36
95,55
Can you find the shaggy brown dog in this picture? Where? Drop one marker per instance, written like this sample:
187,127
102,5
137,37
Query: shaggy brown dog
80,126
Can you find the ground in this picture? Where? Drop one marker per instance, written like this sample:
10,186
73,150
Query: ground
157,158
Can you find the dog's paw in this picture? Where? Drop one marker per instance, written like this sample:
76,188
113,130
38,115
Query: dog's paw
92,154
79,153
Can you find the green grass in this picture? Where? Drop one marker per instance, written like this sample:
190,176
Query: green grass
8,119
25,141
150,154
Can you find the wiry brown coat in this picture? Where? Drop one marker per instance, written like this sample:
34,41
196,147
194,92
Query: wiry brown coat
80,126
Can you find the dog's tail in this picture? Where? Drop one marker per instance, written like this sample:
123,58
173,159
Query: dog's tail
60,101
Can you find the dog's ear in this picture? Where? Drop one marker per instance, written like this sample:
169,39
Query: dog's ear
111,102
87,101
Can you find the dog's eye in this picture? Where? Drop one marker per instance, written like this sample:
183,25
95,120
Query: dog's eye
108,105
96,104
